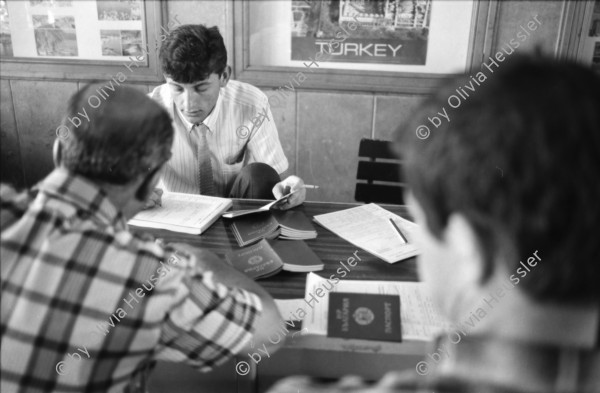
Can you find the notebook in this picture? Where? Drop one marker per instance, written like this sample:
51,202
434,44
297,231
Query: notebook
185,213
369,227
267,258
287,224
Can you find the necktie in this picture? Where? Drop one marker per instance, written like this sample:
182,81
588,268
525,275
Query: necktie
205,173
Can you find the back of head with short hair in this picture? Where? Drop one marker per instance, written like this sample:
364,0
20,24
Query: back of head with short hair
190,53
127,134
520,159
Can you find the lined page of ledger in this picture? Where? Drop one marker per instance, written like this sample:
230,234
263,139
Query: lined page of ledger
368,227
185,213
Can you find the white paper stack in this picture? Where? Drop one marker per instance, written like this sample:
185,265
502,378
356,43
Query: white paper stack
369,227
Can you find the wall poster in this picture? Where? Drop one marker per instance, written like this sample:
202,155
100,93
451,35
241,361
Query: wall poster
416,36
361,31
110,30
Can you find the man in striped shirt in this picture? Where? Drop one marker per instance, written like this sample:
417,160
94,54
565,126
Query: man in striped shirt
226,142
87,305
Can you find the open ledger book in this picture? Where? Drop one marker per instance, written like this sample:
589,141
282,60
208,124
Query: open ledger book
369,227
185,213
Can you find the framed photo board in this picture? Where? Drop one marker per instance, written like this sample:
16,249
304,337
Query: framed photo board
69,39
402,46
580,39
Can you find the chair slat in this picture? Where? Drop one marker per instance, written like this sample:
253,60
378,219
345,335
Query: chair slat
379,193
374,148
381,171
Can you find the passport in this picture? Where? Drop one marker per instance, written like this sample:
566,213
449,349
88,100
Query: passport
266,258
364,316
257,261
289,224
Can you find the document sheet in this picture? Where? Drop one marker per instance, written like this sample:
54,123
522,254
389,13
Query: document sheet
369,227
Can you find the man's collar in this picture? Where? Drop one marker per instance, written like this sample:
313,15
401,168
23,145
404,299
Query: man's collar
211,120
83,195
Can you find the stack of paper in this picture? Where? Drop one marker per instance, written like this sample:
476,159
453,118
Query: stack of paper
185,213
369,227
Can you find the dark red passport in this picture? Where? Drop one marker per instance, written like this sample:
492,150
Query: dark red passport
364,316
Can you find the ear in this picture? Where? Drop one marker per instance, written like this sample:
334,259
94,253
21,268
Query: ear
460,235
225,76
57,152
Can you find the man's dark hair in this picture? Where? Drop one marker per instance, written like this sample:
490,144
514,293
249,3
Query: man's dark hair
127,134
190,53
520,159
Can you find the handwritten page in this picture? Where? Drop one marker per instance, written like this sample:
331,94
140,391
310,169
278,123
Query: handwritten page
186,213
420,320
369,227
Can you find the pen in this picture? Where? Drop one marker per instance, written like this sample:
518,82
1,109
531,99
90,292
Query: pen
398,230
310,186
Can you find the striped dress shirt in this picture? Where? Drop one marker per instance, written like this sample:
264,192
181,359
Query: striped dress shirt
233,140
86,304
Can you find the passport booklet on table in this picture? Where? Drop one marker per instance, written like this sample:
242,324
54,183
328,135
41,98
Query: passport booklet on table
288,224
364,316
267,258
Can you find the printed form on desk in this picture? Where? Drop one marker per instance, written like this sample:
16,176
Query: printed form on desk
369,227
419,319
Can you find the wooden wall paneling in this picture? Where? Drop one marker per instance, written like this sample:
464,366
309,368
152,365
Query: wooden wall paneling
391,112
39,107
10,154
142,88
284,116
330,127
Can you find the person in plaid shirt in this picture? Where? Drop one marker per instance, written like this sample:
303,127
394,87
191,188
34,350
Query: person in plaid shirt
511,255
87,305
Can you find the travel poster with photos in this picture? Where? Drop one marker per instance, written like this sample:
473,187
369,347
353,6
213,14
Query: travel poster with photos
6,49
110,30
361,31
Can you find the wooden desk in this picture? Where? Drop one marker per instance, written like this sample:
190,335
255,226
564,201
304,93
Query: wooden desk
302,354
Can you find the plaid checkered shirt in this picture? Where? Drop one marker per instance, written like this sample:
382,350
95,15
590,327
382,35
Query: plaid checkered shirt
86,304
